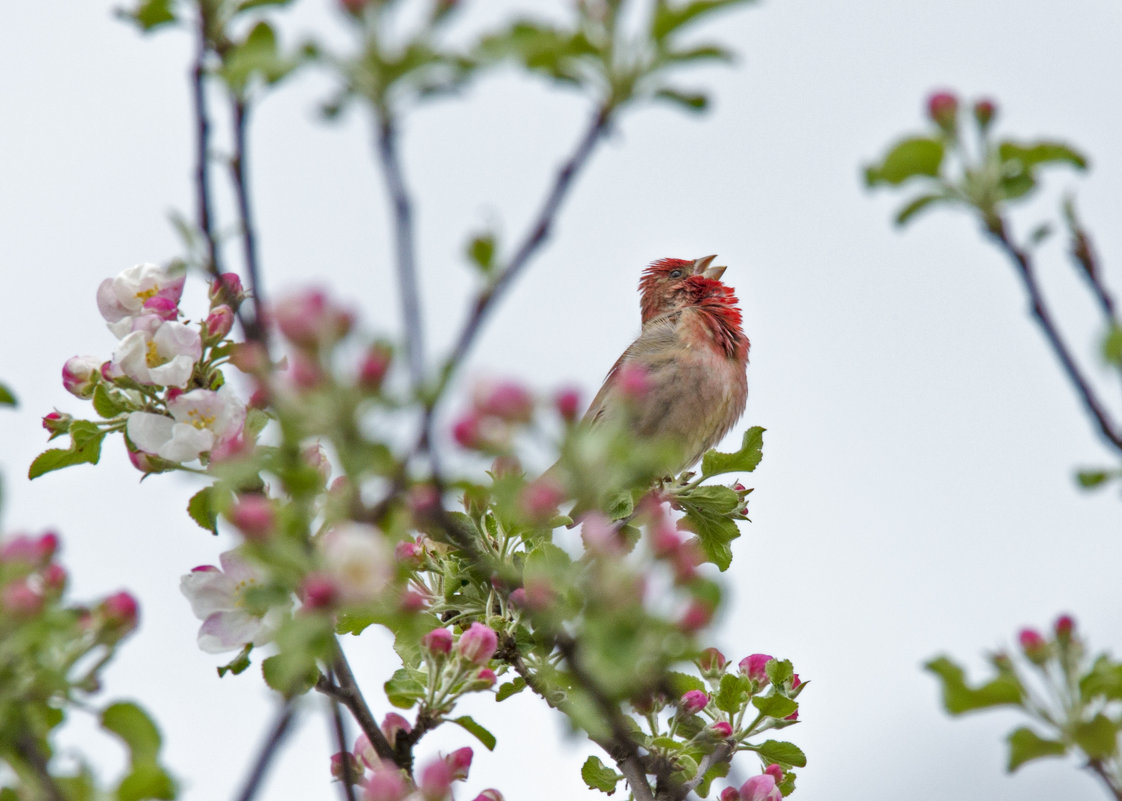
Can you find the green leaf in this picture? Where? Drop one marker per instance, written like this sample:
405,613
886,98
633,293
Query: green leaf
145,781
779,670
918,156
732,692
958,697
782,752
690,101
510,688
132,724
621,505
714,463
775,706
469,725
916,206
85,448
714,531
201,510
1112,346
682,683
256,56
105,404
238,664
599,776
701,53
1098,737
7,397
405,688
149,14
1026,745
1030,155
481,252
1092,478
671,17
290,673
1103,680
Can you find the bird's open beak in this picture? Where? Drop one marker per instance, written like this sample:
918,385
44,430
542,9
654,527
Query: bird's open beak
701,267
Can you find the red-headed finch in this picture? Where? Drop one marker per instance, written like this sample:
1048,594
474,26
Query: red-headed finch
683,380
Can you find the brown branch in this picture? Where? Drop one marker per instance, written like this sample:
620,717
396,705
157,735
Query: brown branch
254,329
1096,766
202,143
346,690
997,229
268,751
348,778
28,748
405,248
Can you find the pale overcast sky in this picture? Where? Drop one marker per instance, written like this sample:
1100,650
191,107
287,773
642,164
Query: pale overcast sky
916,493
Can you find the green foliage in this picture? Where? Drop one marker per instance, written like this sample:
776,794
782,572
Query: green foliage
715,463
1026,745
85,448
256,57
782,753
918,156
479,732
599,776
959,697
7,397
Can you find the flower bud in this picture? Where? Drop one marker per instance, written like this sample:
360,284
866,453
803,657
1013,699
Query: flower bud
506,400
394,724
942,108
760,788
721,728
20,600
484,680
32,551
539,499
984,112
696,617
693,702
600,537
80,375
1064,626
460,763
385,784
567,403
319,591
226,290
308,319
729,794
344,765
374,365
755,667
1033,645
438,642
775,772
218,323
54,579
712,662
57,423
364,750
490,794
254,517
436,780
119,613
477,644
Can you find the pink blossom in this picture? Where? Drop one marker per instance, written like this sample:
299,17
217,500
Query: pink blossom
460,763
755,667
467,431
217,598
364,750
721,728
254,516
80,375
309,319
693,702
1064,626
760,788
775,772
567,403
200,420
600,536
359,559
163,308
20,600
1030,640
318,591
119,613
57,423
984,112
477,644
218,323
373,366
697,616
942,108
161,355
226,289
485,679
409,552
385,784
539,499
438,642
490,794
436,780
123,297
33,551
711,661
54,578
344,765
394,724
729,794
506,400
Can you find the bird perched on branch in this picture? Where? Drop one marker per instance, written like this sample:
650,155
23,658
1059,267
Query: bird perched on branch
683,380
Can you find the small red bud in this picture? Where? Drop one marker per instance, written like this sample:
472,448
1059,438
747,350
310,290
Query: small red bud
942,108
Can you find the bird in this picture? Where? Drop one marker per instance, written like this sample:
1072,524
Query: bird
692,356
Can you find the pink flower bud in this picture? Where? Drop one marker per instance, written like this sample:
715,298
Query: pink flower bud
696,617
20,600
755,667
111,371
319,591
144,462
436,780
385,784
308,319
984,112
567,403
438,642
218,323
485,679
600,537
250,357
467,431
490,794
693,702
119,613
344,765
54,579
539,499
477,644
413,601
254,516
1033,645
226,289
373,367
721,728
32,551
793,716
460,763
942,108
506,400
365,752
775,772
409,552
394,724
760,788
712,661
1064,626
80,375
795,680
729,794
57,423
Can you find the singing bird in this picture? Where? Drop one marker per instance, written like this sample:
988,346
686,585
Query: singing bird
692,354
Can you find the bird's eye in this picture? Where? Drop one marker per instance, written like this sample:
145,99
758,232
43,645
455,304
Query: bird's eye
675,273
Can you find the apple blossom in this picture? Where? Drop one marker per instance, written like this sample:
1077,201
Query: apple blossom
477,644
309,319
755,667
385,784
19,599
460,762
34,551
344,764
123,297
490,794
200,420
436,780
721,728
360,561
217,598
760,788
693,702
438,642
163,355
119,613
225,289
218,323
392,725
80,374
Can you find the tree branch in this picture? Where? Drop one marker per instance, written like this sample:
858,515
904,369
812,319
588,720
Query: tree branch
268,751
346,690
202,143
997,229
254,329
348,778
28,748
404,247
1096,766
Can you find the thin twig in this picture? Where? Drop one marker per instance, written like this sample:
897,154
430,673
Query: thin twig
404,247
1021,260
268,751
1096,766
28,748
347,691
202,143
348,778
722,753
254,329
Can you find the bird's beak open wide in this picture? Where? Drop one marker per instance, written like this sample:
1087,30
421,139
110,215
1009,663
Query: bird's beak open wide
701,267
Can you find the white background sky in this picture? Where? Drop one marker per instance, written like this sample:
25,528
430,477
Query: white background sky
916,494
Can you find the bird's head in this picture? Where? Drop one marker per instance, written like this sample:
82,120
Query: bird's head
663,286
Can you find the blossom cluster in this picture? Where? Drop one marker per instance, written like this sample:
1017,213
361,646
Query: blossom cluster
381,780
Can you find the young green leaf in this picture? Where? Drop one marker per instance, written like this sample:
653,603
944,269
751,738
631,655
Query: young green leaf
1026,745
469,725
782,752
774,706
958,697
599,776
132,724
917,156
7,397
715,463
